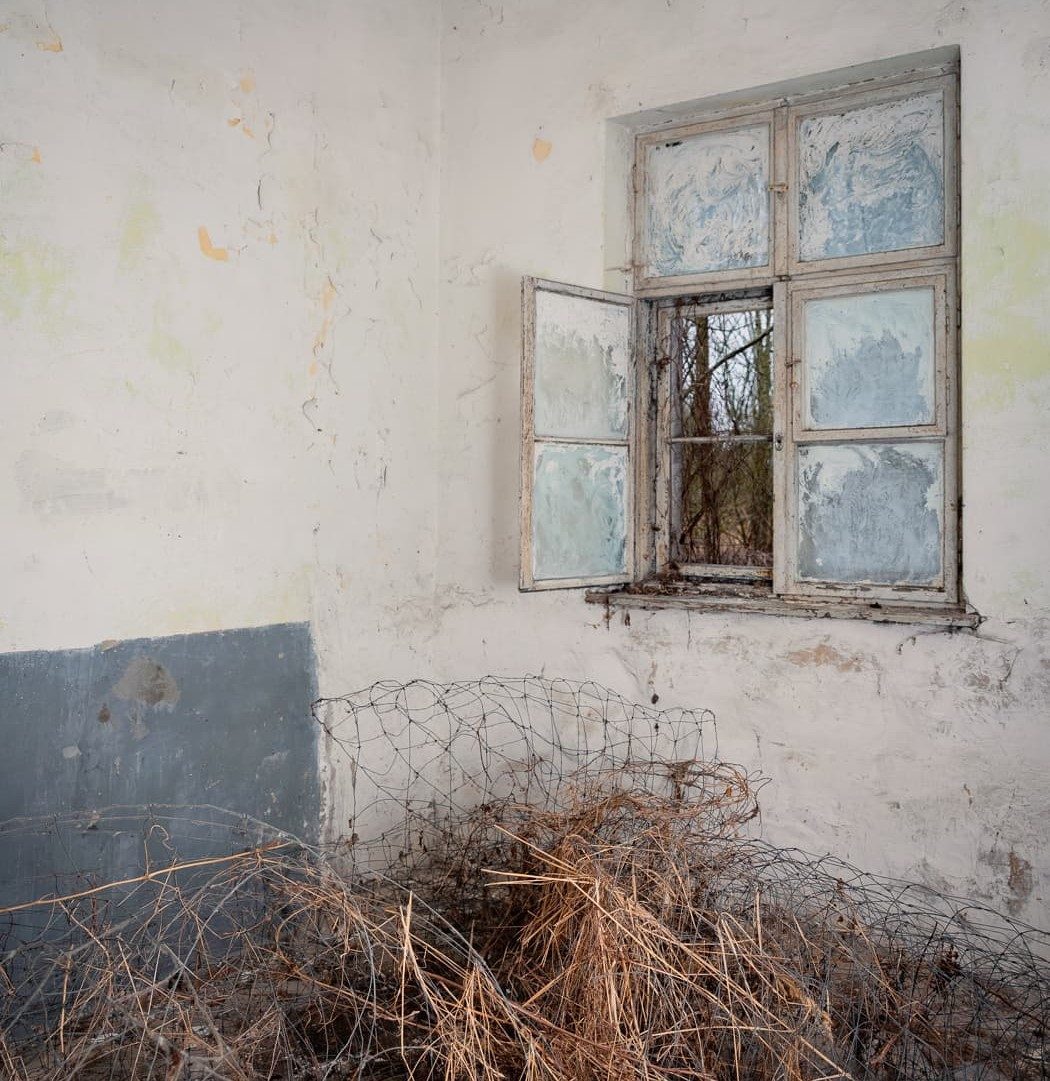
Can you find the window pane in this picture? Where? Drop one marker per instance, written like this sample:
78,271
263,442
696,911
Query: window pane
870,512
723,509
872,179
870,360
579,511
582,360
722,371
707,203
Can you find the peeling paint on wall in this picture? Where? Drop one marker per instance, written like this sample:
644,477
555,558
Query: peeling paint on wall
147,682
826,655
208,248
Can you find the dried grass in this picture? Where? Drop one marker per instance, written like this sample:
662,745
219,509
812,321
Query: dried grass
631,932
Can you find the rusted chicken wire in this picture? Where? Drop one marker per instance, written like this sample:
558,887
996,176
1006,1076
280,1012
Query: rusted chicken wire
618,922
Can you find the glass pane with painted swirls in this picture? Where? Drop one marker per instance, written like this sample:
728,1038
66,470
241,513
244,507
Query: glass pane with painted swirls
869,360
707,203
871,179
579,511
582,365
871,512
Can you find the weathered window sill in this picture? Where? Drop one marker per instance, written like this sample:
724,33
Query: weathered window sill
758,598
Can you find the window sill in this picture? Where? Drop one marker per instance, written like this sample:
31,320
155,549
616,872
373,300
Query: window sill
759,599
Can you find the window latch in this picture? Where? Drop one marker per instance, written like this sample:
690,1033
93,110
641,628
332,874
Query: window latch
778,441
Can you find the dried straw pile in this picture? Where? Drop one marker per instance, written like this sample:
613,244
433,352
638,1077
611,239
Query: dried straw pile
634,934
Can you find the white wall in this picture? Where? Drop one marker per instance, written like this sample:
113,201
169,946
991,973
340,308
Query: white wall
917,753
192,443
217,289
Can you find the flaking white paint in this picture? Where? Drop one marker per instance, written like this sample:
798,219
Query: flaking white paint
217,271
215,442
915,752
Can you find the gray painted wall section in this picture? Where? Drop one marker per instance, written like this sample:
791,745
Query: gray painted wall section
221,719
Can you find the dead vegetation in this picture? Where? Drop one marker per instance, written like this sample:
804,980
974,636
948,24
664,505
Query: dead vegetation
544,882
634,933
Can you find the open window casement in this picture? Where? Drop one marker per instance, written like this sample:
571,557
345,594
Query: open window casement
577,483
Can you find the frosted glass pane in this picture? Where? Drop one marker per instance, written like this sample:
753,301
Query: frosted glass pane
871,512
872,179
579,511
582,360
870,360
707,203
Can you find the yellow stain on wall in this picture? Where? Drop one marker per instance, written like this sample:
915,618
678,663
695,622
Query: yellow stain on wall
328,295
541,149
36,155
52,45
139,227
32,278
165,347
247,82
208,248
284,598
1006,326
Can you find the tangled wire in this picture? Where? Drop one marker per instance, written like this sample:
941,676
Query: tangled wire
602,912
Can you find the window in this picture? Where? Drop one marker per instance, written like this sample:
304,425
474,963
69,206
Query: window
771,415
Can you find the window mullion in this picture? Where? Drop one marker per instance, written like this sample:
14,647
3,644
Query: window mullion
783,448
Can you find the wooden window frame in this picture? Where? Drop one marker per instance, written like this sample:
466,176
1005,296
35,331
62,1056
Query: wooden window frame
678,284
947,86
664,479
791,281
944,429
530,440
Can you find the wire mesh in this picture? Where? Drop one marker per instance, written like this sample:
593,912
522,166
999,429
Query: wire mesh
540,880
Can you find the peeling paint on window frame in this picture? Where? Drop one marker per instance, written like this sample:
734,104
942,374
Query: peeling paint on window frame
531,439
791,281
